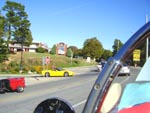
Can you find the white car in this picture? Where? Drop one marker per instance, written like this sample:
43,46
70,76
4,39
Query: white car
125,70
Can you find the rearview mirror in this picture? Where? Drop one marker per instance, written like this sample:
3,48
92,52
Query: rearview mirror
111,98
54,105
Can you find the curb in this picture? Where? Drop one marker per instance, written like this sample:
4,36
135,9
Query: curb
31,79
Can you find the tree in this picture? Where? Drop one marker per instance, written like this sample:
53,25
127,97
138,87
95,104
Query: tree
17,25
74,50
69,52
3,47
79,52
3,50
107,54
2,24
53,50
92,48
117,45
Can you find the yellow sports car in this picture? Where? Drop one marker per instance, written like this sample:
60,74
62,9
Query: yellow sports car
57,72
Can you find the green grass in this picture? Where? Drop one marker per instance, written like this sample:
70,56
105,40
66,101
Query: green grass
33,62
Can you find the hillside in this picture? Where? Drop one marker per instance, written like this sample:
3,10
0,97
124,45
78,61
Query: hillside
33,62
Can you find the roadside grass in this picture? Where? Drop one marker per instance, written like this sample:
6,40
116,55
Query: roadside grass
32,62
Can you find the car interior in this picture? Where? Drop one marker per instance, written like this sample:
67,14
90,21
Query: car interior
134,94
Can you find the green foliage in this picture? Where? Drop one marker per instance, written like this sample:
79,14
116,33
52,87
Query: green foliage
117,45
53,50
13,64
3,47
107,54
74,50
32,62
92,48
13,67
17,25
40,50
2,25
79,52
69,53
3,50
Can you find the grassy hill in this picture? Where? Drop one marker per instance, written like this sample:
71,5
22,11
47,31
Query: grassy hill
33,62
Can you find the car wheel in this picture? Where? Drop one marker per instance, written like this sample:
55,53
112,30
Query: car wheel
2,91
2,87
66,74
20,89
47,74
128,74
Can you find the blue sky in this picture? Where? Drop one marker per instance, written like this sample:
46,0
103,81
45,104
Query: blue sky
74,21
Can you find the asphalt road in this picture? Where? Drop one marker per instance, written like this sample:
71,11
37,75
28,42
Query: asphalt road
73,89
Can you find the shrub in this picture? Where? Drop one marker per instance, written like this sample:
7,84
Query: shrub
40,50
13,64
38,69
32,69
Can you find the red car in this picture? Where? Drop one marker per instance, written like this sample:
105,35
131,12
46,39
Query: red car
12,84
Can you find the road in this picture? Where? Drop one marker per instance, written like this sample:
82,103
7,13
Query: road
73,89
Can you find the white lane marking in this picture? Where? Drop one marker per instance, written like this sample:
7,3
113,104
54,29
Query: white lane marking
78,104
124,80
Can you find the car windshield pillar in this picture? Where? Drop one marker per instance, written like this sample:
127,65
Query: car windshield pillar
114,64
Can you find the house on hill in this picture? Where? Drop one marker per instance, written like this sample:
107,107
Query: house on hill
14,47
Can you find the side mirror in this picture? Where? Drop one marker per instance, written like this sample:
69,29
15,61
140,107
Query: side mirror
111,98
54,105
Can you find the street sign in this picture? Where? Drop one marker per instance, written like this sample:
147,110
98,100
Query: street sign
47,59
136,55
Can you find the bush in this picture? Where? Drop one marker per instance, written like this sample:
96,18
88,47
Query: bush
77,62
40,50
32,69
38,69
13,64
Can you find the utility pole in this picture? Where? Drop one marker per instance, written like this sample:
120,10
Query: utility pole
147,40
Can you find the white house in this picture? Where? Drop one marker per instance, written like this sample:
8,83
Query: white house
14,47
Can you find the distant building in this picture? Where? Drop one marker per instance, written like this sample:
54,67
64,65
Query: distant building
14,47
61,48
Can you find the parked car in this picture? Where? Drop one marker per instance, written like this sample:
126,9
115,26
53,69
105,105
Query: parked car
57,72
125,70
12,84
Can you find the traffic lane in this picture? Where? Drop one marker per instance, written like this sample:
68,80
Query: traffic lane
54,85
124,79
74,89
77,101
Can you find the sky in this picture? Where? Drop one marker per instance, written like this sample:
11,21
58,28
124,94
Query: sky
75,21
